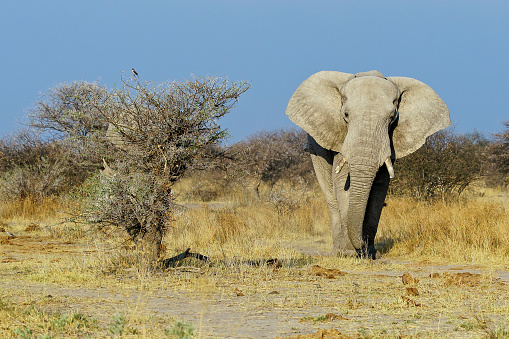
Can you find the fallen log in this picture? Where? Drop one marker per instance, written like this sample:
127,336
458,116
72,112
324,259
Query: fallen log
173,261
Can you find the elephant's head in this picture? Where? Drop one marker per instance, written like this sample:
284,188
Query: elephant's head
369,120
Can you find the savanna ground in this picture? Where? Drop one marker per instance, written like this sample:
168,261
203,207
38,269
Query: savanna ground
444,272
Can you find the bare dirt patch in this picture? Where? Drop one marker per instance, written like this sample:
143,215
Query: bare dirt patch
339,298
329,273
324,334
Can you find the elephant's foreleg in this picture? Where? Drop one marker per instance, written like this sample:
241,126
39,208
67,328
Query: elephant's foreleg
341,183
323,161
322,164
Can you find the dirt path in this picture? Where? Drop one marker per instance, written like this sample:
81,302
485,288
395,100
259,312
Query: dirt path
450,301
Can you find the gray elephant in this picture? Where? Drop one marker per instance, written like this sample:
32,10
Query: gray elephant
357,126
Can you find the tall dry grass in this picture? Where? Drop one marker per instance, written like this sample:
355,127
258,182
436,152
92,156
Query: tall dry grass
32,208
242,227
471,230
240,231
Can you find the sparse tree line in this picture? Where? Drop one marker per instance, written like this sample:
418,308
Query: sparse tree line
445,166
119,152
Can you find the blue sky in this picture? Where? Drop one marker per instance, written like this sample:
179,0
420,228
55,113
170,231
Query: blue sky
459,48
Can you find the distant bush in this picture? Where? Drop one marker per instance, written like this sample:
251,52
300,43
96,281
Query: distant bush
270,156
72,110
36,168
498,158
442,168
73,114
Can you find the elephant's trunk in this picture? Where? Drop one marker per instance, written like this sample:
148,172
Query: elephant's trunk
361,179
365,157
388,164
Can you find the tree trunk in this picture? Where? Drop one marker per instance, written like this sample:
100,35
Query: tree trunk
149,243
256,189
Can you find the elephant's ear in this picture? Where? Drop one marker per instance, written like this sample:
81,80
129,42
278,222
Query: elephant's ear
315,107
421,113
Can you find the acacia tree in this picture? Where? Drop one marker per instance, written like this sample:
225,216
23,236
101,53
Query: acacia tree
147,135
158,130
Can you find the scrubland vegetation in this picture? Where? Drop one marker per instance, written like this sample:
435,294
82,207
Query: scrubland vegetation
253,208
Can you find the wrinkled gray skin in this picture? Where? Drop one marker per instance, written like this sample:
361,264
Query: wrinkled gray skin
355,123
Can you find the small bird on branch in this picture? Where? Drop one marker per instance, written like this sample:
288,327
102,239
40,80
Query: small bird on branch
134,72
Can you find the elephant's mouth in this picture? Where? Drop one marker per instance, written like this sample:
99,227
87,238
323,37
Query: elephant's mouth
388,164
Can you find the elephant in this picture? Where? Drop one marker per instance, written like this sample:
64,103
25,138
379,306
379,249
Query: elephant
358,125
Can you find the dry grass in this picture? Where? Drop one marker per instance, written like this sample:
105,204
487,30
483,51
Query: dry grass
35,209
469,231
472,231
239,234
258,222
20,318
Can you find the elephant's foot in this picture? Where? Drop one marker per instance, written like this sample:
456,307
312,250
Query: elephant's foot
343,247
368,252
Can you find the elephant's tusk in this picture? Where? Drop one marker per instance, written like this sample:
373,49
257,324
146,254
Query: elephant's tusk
340,165
388,163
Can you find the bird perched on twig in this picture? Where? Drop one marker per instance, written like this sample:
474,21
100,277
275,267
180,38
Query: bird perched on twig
134,72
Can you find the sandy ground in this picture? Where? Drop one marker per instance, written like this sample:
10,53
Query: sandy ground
393,297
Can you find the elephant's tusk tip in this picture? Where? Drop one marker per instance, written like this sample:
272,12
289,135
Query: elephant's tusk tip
390,169
340,165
